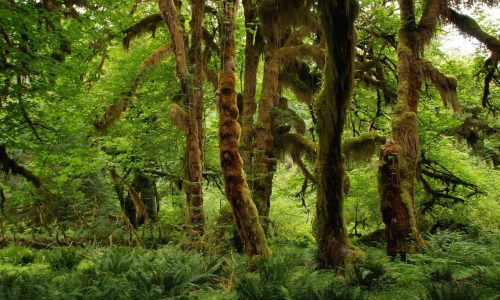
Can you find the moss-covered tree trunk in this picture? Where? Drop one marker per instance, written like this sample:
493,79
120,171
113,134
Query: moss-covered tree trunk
236,187
412,69
253,50
337,18
193,90
394,213
412,38
196,214
264,160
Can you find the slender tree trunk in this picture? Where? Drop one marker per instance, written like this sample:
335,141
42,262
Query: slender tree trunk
253,50
236,187
196,214
193,90
337,18
264,161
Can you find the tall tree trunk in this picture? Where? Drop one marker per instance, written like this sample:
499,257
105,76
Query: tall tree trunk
337,18
253,50
193,90
404,131
196,214
264,160
236,187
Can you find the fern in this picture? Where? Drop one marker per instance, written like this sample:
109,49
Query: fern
450,291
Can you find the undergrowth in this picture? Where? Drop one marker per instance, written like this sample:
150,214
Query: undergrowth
452,267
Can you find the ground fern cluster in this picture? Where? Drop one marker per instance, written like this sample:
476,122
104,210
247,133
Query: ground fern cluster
292,273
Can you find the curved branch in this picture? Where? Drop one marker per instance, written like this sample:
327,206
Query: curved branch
115,110
426,28
9,165
469,26
147,24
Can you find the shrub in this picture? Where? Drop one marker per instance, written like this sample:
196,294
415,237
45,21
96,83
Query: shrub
367,274
451,291
17,255
442,272
62,259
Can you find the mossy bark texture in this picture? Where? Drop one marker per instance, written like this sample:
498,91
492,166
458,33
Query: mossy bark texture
264,160
191,85
394,213
253,50
236,187
337,18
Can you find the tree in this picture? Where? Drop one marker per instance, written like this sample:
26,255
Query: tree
192,89
337,19
412,70
236,187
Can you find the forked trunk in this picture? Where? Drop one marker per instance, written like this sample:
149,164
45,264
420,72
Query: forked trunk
253,50
404,130
193,90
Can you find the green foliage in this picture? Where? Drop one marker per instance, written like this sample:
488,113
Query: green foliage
61,68
451,291
367,274
23,286
62,259
17,255
442,272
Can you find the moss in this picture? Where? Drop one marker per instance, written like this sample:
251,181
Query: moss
277,16
179,117
355,257
362,147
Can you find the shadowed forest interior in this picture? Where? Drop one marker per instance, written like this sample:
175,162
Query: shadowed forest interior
249,149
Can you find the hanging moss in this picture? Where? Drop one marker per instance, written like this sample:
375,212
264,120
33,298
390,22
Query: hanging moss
277,16
283,116
298,77
148,24
179,117
446,85
362,147
293,142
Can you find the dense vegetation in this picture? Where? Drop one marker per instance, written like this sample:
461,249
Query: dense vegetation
254,149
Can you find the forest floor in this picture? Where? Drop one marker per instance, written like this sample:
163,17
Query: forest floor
454,266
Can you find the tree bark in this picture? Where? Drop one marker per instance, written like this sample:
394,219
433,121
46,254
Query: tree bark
394,213
192,90
236,187
253,50
468,25
337,18
264,160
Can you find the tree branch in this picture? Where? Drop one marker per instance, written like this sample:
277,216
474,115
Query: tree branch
8,165
469,26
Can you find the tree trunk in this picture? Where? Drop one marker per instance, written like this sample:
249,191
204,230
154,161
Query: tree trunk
236,187
253,50
337,18
146,188
193,90
196,214
394,213
404,121
264,160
